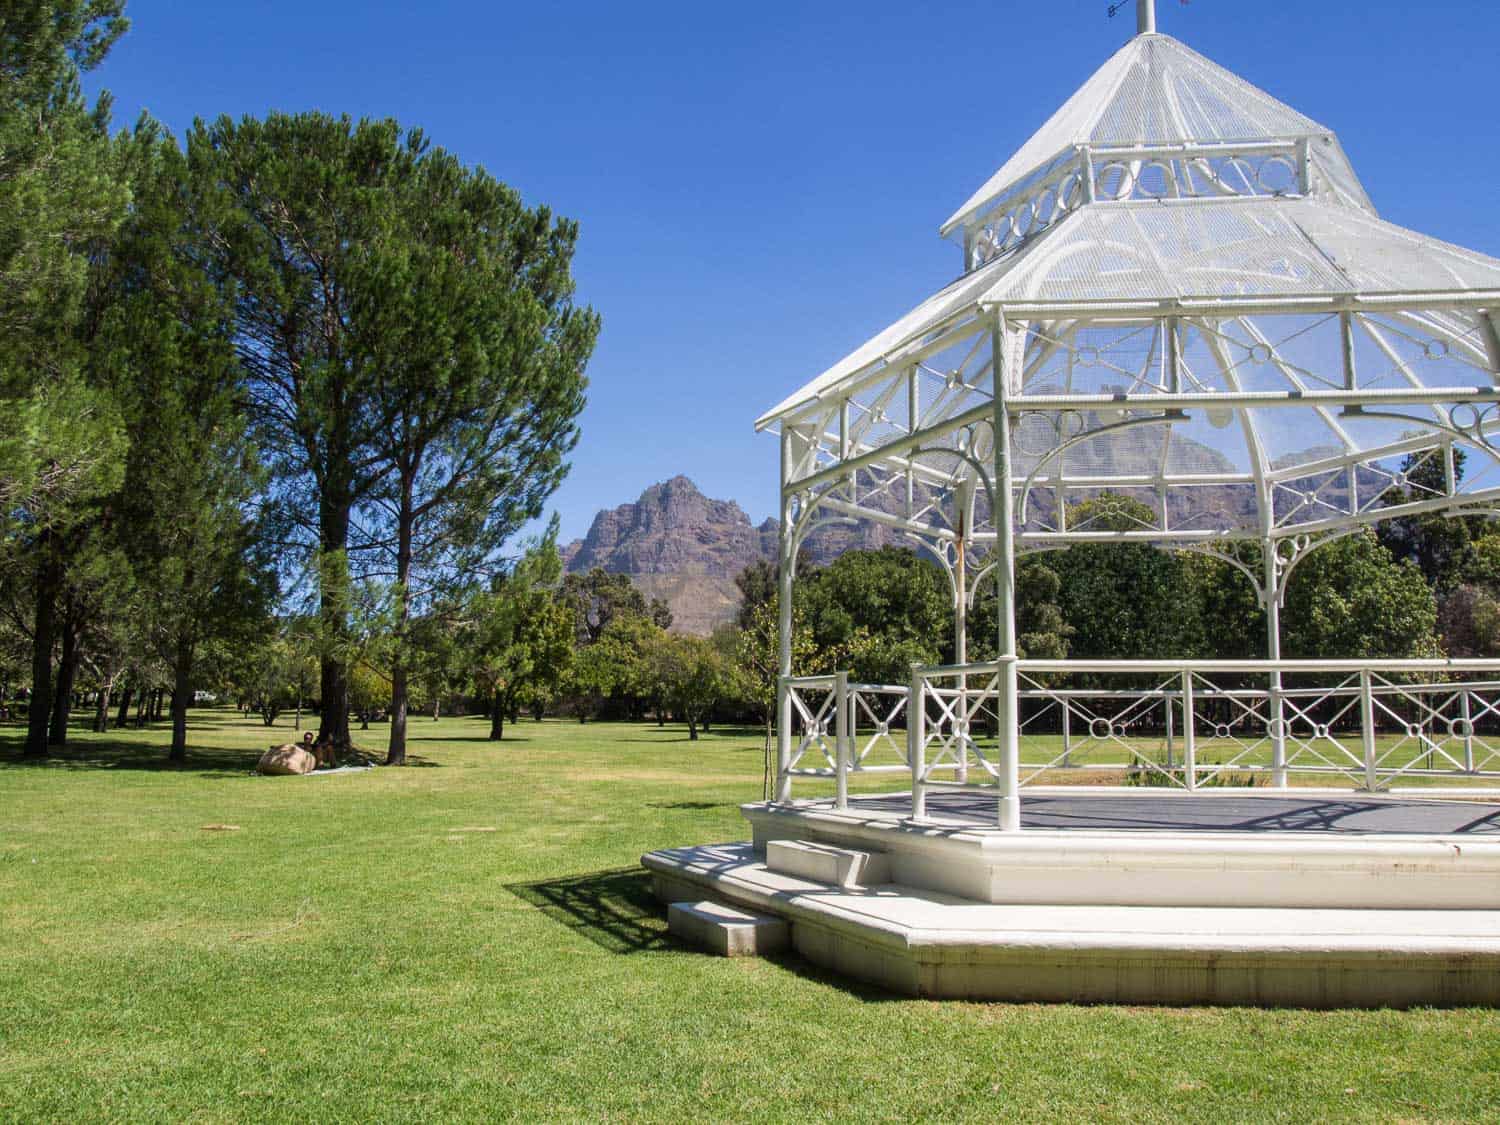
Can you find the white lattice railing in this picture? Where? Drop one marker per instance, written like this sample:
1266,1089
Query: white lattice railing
1367,725
1192,724
841,728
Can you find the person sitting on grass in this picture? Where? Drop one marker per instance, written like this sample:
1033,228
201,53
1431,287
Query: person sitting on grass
321,750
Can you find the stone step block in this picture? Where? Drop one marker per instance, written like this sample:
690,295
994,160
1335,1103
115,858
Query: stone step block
726,930
824,863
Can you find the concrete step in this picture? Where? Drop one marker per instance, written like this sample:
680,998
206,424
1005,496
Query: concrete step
824,863
726,930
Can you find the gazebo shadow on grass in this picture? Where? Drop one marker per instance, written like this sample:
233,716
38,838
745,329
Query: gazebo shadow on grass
614,909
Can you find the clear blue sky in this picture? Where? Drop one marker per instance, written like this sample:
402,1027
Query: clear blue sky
759,185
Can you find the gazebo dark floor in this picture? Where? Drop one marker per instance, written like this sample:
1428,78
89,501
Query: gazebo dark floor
1201,812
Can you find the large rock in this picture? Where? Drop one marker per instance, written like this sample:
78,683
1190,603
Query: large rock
286,759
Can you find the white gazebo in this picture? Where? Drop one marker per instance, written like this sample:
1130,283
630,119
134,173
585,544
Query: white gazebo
1176,292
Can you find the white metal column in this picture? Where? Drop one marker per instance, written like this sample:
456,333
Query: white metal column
963,501
785,560
1005,589
1277,720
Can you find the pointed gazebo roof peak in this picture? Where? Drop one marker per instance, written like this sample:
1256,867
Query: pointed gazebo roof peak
1155,93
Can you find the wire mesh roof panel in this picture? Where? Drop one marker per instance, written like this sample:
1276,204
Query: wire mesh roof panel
1254,247
1156,91
1131,252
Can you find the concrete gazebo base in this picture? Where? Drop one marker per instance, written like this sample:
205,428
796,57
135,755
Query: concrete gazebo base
1376,902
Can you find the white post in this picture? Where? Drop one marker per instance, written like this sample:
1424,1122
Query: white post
1009,780
1468,731
1189,736
1145,17
962,498
1167,703
783,790
1367,725
916,744
1067,730
1273,652
841,740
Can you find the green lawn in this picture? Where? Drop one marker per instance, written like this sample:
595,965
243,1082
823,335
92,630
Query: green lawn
471,938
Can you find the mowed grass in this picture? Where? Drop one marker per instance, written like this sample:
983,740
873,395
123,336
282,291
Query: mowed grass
471,937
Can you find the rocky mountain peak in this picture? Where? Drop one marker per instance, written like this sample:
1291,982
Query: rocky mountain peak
685,547
671,529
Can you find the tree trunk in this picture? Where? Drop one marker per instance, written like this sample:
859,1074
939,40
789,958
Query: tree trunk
497,718
67,672
333,603
396,755
123,714
44,634
692,727
140,708
436,706
297,722
157,698
101,704
182,694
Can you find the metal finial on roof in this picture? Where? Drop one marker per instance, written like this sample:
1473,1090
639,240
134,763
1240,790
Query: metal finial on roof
1145,17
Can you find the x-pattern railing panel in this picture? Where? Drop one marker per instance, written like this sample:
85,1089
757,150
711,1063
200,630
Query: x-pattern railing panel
814,707
1239,741
1435,728
1310,719
877,726
951,716
1105,722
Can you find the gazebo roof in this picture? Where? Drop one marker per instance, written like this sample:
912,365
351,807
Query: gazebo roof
1157,91
1193,304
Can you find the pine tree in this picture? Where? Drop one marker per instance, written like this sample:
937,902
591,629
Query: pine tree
60,197
191,475
476,356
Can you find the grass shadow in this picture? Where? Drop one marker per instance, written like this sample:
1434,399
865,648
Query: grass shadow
506,741
614,909
793,962
107,754
693,805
